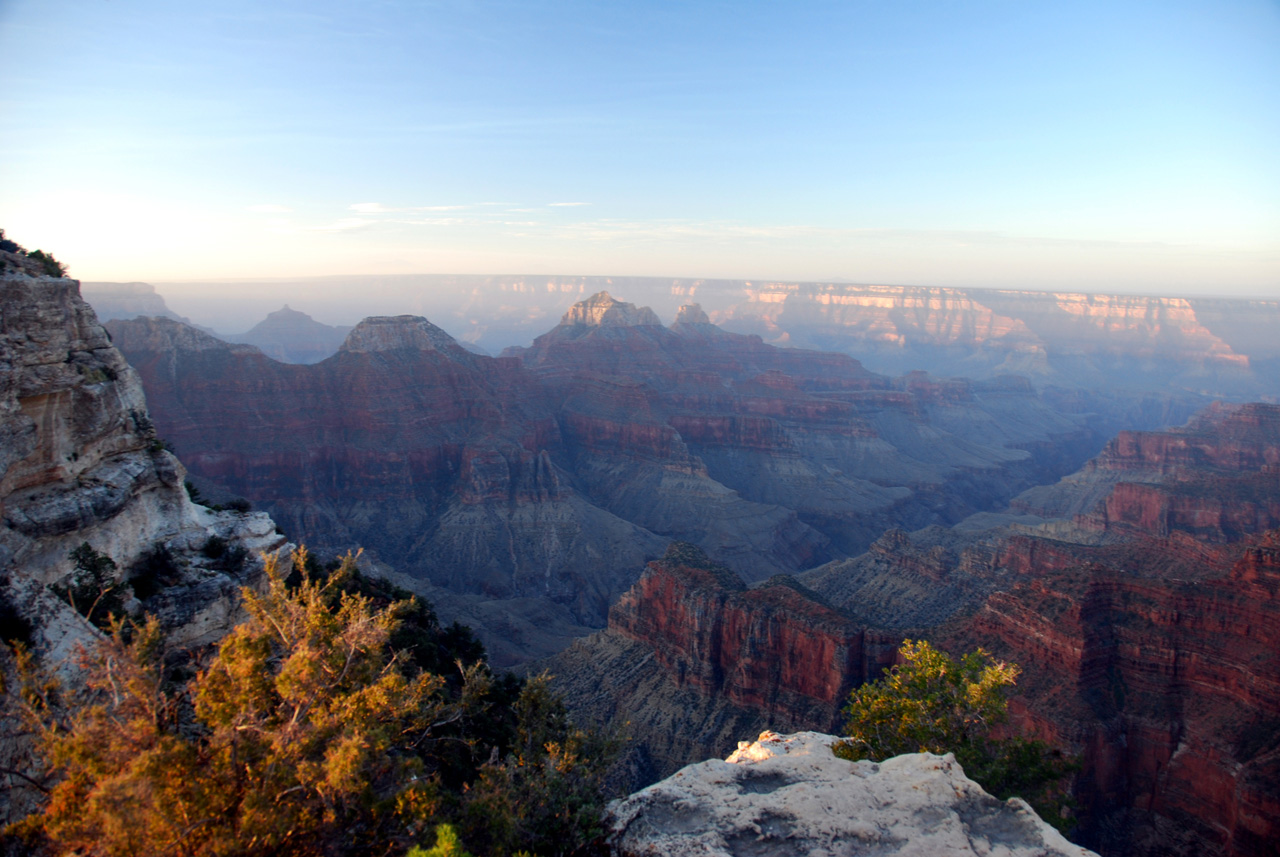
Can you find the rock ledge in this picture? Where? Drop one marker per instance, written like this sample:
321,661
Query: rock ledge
788,795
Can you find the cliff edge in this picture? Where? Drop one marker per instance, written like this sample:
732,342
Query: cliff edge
788,795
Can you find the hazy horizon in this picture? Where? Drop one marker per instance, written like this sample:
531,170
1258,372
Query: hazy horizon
232,307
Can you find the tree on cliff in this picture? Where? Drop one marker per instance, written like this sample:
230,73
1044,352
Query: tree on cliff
308,733
932,703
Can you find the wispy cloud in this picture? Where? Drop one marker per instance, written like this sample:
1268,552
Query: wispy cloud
269,208
566,204
346,224
370,208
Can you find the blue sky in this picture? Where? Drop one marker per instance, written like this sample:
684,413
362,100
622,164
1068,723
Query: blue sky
1098,146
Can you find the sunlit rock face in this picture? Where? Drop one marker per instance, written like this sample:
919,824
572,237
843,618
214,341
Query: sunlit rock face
1078,339
789,795
80,460
81,464
603,310
693,658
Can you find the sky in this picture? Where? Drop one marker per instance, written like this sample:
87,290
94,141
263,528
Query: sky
1094,146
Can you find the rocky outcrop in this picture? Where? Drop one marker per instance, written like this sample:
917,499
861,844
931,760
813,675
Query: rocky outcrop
692,657
80,459
293,337
603,310
772,648
789,795
1217,478
80,464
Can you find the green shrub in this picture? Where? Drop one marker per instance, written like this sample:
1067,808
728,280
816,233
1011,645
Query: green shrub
52,267
932,703
93,589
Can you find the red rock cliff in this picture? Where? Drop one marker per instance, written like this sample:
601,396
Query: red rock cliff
773,649
1169,684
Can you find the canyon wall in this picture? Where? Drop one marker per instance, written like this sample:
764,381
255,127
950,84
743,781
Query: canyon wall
693,659
80,464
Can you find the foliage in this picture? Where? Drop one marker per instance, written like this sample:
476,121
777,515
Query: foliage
52,267
93,590
548,794
935,704
447,845
308,733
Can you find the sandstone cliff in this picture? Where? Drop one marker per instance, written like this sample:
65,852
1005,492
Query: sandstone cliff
1169,682
1078,339
692,657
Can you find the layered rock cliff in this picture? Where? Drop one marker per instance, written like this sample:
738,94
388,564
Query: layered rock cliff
80,464
435,459
1170,685
1078,339
692,657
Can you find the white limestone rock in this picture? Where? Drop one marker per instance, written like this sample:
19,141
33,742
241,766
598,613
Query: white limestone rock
789,795
604,310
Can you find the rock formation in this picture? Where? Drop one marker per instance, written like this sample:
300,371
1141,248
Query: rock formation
1149,644
437,460
789,795
692,658
1164,670
1076,339
80,464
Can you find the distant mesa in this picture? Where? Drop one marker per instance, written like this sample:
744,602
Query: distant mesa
395,332
604,310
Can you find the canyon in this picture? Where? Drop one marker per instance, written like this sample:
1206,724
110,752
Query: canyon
1146,630
820,513
540,482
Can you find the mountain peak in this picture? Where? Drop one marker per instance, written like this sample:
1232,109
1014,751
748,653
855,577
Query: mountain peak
396,332
603,309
